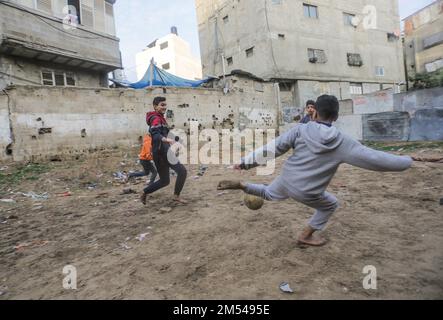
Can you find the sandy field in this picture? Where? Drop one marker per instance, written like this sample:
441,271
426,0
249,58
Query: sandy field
215,247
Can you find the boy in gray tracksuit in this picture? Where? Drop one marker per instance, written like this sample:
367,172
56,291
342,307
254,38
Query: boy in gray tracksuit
319,149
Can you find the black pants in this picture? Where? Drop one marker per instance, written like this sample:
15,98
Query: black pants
148,168
163,165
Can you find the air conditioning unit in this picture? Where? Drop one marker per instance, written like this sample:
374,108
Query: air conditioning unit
313,60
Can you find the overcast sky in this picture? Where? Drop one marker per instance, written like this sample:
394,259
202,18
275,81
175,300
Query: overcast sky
139,22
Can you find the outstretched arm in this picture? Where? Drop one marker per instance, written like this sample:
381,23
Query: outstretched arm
272,150
363,157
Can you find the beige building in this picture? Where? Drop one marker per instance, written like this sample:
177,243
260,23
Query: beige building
172,54
424,39
58,42
310,47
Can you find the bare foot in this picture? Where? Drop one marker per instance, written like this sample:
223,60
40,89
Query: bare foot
312,241
230,185
143,198
180,200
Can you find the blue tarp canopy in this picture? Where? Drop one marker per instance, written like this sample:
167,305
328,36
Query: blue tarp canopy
155,76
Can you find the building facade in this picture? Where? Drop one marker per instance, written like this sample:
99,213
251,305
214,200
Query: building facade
310,47
423,40
58,42
172,54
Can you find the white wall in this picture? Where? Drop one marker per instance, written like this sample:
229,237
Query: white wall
178,54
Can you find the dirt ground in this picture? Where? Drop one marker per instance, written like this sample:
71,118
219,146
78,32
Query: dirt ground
214,247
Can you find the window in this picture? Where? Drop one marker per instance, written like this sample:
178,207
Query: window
109,18
70,79
317,56
164,45
44,5
166,66
47,79
58,78
310,11
276,1
380,71
392,37
281,36
250,52
87,13
433,40
230,61
356,88
76,12
226,19
354,60
348,19
285,86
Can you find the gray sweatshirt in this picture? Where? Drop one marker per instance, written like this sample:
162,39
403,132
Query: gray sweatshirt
318,152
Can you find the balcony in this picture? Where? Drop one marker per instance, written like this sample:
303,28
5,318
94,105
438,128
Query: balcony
32,34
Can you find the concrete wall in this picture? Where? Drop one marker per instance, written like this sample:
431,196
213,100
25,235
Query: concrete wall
5,130
418,100
20,71
281,36
381,101
311,90
351,125
427,125
387,126
50,121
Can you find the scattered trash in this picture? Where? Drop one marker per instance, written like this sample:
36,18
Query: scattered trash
8,200
35,243
202,170
286,288
119,176
102,195
12,217
4,168
125,246
222,193
129,191
37,208
345,290
65,194
35,196
128,238
196,177
165,209
441,201
92,186
2,293
142,237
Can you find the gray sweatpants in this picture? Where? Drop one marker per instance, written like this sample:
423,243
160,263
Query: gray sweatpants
325,204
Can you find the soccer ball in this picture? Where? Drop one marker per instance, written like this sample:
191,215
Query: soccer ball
253,202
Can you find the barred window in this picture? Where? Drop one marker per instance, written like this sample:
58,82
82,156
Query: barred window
355,60
317,56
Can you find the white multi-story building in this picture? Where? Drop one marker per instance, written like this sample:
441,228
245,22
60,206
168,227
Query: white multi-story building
172,54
